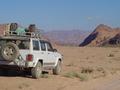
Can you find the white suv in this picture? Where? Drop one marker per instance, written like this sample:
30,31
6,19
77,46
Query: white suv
29,53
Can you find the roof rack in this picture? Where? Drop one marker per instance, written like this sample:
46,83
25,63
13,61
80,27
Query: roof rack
26,34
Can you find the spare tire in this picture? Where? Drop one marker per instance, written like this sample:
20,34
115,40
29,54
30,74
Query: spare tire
9,51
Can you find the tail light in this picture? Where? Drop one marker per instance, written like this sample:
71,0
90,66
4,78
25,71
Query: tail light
29,57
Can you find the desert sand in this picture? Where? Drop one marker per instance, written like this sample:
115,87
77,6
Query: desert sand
84,68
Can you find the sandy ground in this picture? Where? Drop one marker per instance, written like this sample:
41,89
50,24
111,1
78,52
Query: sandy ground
87,68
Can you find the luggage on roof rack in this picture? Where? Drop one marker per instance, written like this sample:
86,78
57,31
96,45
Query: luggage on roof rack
12,29
26,34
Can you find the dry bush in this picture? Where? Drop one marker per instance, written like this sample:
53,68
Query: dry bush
82,77
87,70
111,55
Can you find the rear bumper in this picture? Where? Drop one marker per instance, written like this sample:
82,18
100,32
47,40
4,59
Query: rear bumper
11,64
24,64
10,67
14,68
3,62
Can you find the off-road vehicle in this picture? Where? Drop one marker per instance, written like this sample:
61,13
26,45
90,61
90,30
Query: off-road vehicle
29,52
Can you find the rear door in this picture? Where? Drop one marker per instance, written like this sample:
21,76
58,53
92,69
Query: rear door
36,49
43,52
50,54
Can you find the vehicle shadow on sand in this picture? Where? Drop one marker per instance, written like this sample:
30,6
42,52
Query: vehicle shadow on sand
11,73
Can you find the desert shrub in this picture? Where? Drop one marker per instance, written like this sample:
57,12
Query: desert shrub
87,70
111,55
82,77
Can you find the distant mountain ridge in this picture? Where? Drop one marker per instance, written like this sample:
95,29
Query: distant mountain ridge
102,35
69,37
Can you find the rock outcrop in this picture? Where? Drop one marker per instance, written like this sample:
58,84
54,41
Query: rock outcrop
102,35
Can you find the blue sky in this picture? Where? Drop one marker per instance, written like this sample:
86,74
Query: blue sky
61,14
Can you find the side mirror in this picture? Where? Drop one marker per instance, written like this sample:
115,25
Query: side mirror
55,50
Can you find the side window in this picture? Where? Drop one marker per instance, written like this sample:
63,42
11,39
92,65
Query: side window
23,44
49,47
43,47
36,45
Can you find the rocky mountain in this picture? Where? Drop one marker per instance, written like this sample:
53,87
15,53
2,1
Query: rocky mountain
102,35
113,41
71,37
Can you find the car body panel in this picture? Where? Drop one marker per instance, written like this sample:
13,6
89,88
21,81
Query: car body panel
49,58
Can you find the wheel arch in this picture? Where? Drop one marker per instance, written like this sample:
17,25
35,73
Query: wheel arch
58,59
41,61
38,60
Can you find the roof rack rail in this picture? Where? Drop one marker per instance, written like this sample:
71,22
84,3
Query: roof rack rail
26,34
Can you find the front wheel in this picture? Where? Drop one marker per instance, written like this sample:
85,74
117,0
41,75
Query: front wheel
37,71
57,69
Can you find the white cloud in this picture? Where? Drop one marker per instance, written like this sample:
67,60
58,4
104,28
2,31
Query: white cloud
89,18
92,18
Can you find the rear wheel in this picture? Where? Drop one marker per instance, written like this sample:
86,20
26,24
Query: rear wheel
57,69
37,71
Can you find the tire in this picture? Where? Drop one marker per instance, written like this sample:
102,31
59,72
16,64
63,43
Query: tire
118,42
9,51
57,69
37,71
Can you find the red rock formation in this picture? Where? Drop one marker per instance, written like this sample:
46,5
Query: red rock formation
100,35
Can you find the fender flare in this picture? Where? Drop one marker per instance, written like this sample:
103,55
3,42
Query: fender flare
58,59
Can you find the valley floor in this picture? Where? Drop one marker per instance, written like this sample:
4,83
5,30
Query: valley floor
84,68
